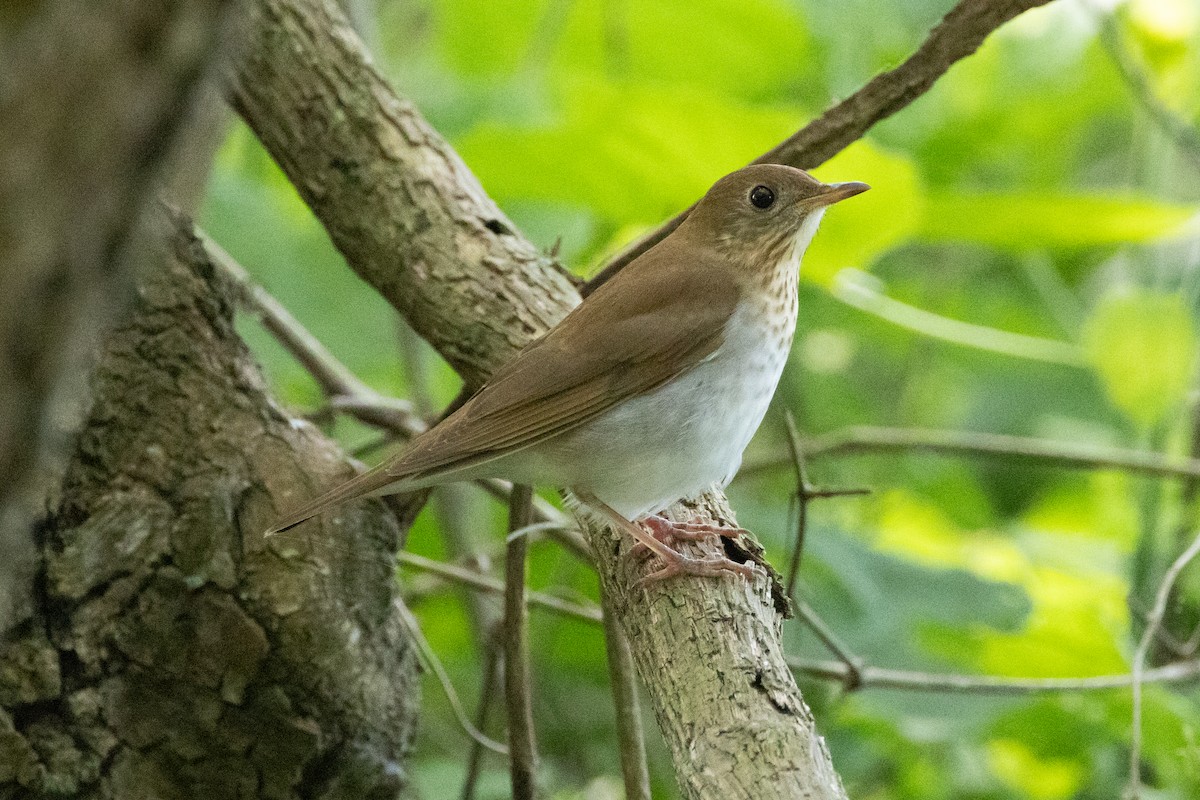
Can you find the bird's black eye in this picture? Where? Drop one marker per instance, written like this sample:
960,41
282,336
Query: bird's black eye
762,197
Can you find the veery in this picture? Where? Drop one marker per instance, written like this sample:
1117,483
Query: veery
649,391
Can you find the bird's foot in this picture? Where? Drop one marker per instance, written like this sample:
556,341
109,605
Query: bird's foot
674,562
679,564
665,532
689,531
668,531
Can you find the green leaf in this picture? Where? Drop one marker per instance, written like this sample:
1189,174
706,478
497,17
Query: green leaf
1036,778
734,47
1027,221
483,37
1143,346
631,154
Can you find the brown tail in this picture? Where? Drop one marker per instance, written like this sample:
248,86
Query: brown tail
371,483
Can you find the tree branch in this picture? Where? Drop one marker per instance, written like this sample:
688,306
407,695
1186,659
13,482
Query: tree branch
518,685
1153,623
862,439
957,36
632,742
868,677
472,579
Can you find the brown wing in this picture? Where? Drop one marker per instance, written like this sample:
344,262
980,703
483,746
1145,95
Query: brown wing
656,319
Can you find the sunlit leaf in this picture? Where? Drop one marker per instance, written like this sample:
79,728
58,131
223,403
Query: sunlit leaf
634,155
1037,778
483,37
1143,346
1073,617
1024,221
743,47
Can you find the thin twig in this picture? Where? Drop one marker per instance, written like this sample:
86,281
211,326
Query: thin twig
805,492
880,678
346,392
530,529
1153,622
957,36
851,664
487,692
868,439
517,688
483,583
630,737
796,451
433,664
858,290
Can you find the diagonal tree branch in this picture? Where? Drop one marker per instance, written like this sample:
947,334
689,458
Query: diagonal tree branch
957,36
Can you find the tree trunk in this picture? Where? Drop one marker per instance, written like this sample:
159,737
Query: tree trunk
175,652
90,113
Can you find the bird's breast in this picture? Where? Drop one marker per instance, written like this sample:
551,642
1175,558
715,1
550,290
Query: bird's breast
689,434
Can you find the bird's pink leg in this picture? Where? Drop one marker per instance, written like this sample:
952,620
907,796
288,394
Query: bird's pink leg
675,563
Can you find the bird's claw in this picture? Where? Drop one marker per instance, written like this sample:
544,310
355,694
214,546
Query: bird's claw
704,567
667,531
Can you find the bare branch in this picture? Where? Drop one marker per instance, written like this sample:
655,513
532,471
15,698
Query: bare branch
868,439
852,665
1153,623
881,678
472,579
805,493
632,741
434,664
491,679
957,36
518,691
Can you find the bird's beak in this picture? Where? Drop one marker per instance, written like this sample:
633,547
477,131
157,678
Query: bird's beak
837,192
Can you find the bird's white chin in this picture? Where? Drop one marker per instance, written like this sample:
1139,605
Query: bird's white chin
806,232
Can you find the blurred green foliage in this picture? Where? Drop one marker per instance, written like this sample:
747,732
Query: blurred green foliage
1028,192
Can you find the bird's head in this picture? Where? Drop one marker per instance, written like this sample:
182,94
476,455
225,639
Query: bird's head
765,214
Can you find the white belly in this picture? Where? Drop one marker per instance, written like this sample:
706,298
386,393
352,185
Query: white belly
681,439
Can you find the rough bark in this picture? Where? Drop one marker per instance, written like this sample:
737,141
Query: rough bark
177,654
396,199
416,225
92,96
